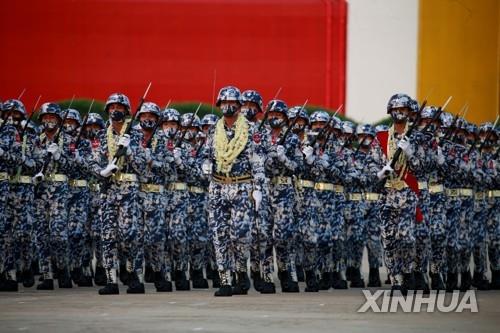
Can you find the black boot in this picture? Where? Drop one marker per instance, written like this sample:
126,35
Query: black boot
257,280
268,286
76,274
338,282
216,280
28,278
47,283
480,282
356,280
161,284
495,280
111,287
311,282
421,282
85,278
181,282
225,289
149,274
465,281
348,273
100,276
64,279
326,281
437,282
134,285
9,283
35,268
408,282
399,287
374,278
210,272
388,280
199,281
451,282
124,274
242,284
292,285
300,273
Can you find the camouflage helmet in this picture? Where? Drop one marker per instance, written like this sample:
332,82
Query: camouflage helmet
472,129
414,106
170,114
399,101
73,114
117,98
366,129
348,127
95,118
298,111
149,107
485,127
14,105
446,119
253,97
277,105
187,120
209,119
381,128
228,93
319,116
50,108
428,112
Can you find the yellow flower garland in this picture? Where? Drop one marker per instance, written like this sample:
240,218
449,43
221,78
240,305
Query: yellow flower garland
112,141
226,151
391,150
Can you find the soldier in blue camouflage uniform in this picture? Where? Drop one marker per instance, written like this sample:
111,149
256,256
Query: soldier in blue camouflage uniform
151,194
93,125
78,202
121,221
261,249
18,154
399,201
236,164
284,160
197,224
331,196
307,204
52,189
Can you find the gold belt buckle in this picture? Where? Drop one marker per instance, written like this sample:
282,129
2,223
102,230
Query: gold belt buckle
95,187
371,196
126,177
280,180
396,184
466,192
178,187
77,183
57,177
436,188
355,196
324,187
338,188
4,176
422,185
196,189
452,192
154,188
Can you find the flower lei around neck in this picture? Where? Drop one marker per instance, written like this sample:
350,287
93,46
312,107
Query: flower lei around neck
112,140
227,151
401,163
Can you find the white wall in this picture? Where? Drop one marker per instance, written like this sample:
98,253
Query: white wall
381,55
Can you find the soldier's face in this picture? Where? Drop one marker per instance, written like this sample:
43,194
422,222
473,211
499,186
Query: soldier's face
14,117
70,126
91,131
168,125
50,122
400,115
148,120
276,119
318,126
365,140
249,110
117,112
205,128
229,108
300,125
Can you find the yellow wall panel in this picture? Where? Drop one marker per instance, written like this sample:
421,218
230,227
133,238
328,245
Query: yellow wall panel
459,55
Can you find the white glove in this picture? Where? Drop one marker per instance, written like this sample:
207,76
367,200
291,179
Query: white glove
54,150
405,145
206,167
147,154
440,157
78,158
257,197
177,155
2,152
124,141
38,177
110,169
280,153
308,153
386,170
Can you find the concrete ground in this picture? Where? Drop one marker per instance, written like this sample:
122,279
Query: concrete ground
83,310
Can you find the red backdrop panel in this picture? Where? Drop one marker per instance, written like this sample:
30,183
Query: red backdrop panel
92,48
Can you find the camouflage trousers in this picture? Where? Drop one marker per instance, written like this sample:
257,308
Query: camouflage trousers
197,230
122,229
356,232
438,227
307,241
95,222
465,233
479,226
231,212
422,234
78,224
52,225
398,230
155,235
177,244
261,247
6,237
459,233
494,233
285,226
374,243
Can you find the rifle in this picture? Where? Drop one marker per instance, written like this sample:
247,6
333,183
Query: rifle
30,117
121,149
266,114
481,146
451,129
178,143
324,129
158,123
79,137
289,128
